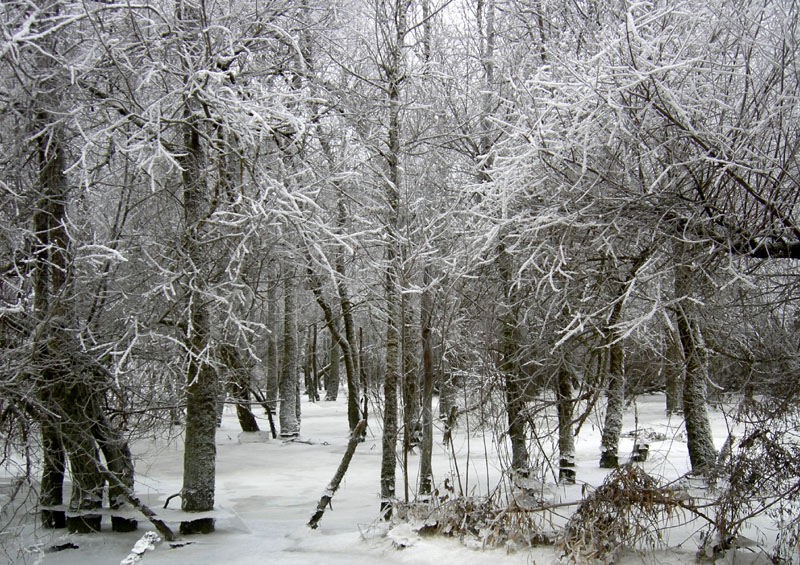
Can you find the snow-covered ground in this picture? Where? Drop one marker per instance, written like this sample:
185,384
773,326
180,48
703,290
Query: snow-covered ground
268,489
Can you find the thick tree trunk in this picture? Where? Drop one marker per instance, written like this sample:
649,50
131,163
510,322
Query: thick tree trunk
675,370
510,351
199,462
48,276
702,452
290,426
86,499
566,437
54,464
615,407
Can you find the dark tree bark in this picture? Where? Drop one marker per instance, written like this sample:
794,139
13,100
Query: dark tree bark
675,370
239,376
273,362
290,426
513,379
566,436
199,462
425,467
332,376
395,24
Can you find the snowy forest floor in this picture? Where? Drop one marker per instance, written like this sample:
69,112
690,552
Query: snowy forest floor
268,489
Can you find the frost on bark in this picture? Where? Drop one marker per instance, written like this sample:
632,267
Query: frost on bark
702,453
566,437
199,462
290,426
394,20
72,420
615,396
615,406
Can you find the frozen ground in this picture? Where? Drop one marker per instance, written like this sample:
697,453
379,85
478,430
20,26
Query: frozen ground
267,490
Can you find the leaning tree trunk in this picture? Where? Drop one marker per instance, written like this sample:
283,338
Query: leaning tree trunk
290,426
239,384
119,463
354,415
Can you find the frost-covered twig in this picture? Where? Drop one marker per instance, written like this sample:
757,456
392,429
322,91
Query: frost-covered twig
147,541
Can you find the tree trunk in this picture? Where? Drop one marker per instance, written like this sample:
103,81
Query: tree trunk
332,377
119,463
411,424
290,427
676,368
352,363
615,395
53,468
396,26
199,462
425,467
566,438
46,275
273,375
239,385
510,351
702,452
390,383
447,394
309,375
